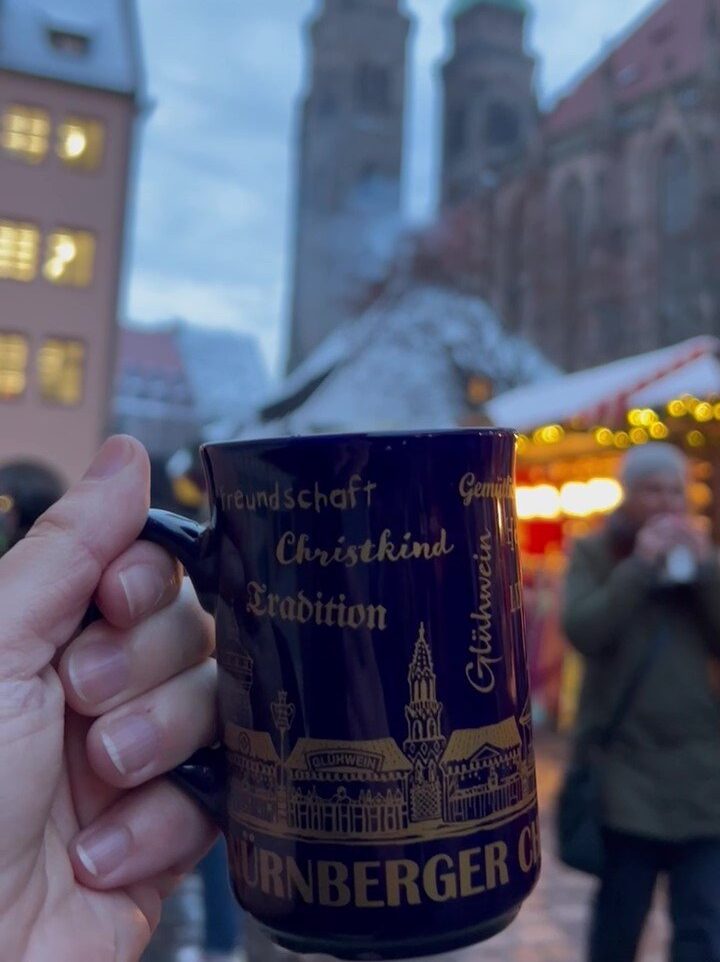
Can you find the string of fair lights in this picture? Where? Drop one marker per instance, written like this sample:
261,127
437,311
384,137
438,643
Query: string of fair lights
686,420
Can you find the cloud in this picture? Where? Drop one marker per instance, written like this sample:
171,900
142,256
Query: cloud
213,224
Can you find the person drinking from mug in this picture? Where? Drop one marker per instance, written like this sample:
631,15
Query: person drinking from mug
645,592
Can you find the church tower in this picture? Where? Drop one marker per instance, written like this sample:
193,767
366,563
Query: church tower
350,158
490,110
425,743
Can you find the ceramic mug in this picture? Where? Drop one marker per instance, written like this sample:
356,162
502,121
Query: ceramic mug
376,778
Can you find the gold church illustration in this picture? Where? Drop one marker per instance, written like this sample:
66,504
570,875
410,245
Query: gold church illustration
352,791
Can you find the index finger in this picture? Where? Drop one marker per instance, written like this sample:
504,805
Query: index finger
48,580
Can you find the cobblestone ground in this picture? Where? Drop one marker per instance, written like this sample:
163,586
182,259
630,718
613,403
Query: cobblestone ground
553,922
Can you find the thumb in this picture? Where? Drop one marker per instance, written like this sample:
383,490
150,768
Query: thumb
47,581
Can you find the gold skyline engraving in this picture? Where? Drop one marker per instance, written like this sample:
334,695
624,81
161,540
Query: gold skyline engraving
354,792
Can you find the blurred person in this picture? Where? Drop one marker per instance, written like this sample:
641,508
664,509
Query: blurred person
650,582
92,838
30,490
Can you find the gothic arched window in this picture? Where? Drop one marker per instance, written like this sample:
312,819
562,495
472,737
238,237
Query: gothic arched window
573,217
373,88
515,266
677,189
573,230
679,254
502,125
456,130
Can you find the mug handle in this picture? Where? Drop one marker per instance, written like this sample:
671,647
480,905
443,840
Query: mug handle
204,776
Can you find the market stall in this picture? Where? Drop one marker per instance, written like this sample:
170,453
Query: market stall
574,432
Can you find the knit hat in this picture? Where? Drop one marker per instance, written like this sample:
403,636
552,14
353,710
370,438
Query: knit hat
649,459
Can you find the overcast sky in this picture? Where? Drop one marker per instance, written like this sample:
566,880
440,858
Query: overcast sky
213,204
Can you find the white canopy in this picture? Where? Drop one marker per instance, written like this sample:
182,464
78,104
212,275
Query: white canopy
603,395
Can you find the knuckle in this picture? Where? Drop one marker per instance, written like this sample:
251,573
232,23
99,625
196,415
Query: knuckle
56,525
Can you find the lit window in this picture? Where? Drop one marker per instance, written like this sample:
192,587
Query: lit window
13,365
19,245
61,371
69,258
25,132
80,142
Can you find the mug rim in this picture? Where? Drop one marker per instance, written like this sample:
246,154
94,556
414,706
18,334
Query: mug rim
355,436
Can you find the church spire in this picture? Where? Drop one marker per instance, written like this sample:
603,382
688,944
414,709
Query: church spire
425,742
422,663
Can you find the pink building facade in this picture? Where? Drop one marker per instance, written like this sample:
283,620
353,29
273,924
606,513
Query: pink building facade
70,97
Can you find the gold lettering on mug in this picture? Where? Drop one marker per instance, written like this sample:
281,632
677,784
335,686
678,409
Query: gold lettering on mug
479,672
271,872
333,612
401,878
469,868
357,492
529,847
294,549
440,886
298,883
470,489
394,883
332,888
363,883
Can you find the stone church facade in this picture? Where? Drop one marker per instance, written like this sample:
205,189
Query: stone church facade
593,228
603,229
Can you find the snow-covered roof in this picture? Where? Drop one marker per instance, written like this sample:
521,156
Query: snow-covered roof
93,43
227,373
599,395
224,372
404,364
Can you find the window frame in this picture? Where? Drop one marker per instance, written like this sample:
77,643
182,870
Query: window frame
25,156
54,401
21,395
24,225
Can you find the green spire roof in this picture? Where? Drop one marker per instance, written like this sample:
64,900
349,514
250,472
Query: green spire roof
460,6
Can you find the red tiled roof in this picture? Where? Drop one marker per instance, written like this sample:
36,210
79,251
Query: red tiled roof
149,352
667,47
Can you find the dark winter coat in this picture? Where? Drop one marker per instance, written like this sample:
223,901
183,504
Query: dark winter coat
661,776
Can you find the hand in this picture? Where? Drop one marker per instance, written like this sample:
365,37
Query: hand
695,536
91,838
655,539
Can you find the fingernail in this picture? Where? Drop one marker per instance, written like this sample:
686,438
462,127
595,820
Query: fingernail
112,457
132,743
99,671
143,587
102,850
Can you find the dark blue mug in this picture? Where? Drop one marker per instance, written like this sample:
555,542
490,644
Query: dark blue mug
376,779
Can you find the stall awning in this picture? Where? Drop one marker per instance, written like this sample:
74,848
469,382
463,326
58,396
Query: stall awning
603,395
